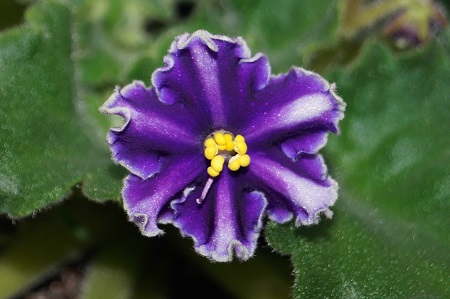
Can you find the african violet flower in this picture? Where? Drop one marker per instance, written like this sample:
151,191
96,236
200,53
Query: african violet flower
217,143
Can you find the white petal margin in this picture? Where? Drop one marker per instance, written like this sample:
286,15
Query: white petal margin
184,41
119,103
229,241
300,191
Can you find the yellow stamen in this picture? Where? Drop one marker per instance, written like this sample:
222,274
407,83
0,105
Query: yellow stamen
244,160
220,139
212,172
210,142
234,166
217,163
230,145
239,138
210,152
240,147
222,147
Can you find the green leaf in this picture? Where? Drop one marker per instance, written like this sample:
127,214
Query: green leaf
389,235
284,30
113,36
48,143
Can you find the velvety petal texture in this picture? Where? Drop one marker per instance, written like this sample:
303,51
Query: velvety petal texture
210,86
205,72
227,221
302,186
144,200
292,104
160,129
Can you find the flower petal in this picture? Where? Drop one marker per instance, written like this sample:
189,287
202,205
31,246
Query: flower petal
151,128
226,223
305,143
212,75
292,103
145,200
252,75
300,187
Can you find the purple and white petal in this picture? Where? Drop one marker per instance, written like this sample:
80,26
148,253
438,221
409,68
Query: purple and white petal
146,201
301,187
291,104
213,75
227,222
151,129
305,143
253,75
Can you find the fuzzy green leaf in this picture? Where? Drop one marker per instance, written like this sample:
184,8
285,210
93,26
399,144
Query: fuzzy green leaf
389,235
48,144
284,30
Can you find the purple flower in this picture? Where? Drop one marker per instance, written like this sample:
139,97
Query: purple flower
217,143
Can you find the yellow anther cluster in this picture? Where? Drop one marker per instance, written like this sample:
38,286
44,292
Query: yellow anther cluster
222,143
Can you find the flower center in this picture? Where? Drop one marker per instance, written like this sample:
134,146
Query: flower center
221,147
